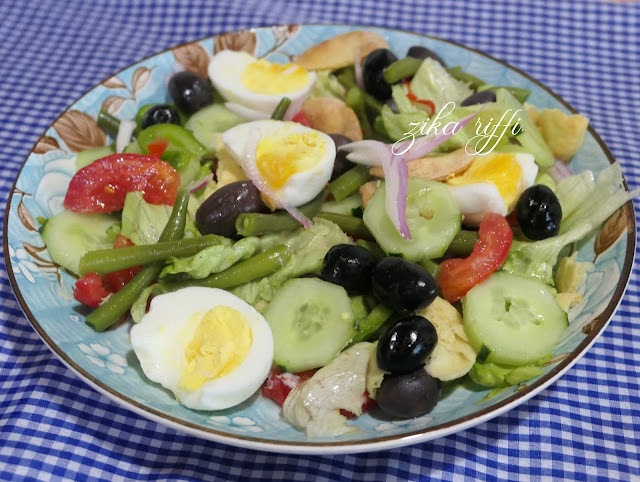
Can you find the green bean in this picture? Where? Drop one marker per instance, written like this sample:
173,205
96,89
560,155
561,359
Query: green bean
401,69
359,307
474,82
372,323
257,224
118,304
347,79
349,182
351,225
108,123
462,245
355,100
105,261
281,109
373,247
431,267
256,267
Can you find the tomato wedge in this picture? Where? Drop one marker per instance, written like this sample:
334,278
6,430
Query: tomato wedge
115,281
89,291
458,275
278,385
301,118
102,186
92,288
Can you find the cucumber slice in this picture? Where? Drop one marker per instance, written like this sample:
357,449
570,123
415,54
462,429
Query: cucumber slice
432,215
311,321
214,118
348,206
68,236
513,319
86,157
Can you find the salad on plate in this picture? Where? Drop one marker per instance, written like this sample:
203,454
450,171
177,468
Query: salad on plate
343,233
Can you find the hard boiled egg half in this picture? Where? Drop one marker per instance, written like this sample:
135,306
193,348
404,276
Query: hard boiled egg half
207,346
295,162
257,83
492,183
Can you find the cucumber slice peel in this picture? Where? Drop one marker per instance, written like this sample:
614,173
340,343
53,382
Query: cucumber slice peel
512,319
432,215
311,321
69,235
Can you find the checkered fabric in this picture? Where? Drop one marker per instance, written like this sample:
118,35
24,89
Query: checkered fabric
55,427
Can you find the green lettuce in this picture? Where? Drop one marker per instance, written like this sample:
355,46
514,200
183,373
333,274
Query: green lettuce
213,259
433,82
142,223
309,247
496,376
596,204
327,85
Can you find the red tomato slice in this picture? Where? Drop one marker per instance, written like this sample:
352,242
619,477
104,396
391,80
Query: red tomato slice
157,147
115,281
92,288
89,290
278,385
102,186
301,118
457,276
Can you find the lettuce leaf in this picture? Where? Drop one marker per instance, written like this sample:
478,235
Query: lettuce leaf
142,223
597,203
309,245
495,376
327,85
434,83
213,259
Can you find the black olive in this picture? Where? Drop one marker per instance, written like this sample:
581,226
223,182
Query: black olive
218,213
408,395
160,114
190,92
341,164
349,266
483,97
373,73
421,53
402,285
406,344
539,212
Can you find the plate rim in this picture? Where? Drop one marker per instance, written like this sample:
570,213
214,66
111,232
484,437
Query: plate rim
354,446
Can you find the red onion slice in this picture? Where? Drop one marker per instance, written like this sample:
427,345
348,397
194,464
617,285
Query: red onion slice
294,108
200,183
357,70
396,175
125,132
367,152
559,171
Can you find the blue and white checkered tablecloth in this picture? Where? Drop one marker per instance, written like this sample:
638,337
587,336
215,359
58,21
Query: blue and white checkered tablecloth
55,427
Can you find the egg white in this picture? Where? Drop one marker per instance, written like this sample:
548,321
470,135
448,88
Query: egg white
477,199
225,71
301,187
160,340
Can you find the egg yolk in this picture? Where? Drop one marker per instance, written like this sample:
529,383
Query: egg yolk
500,169
264,77
219,345
279,158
